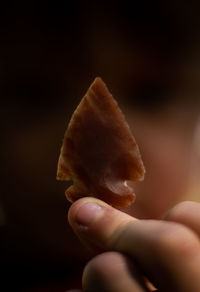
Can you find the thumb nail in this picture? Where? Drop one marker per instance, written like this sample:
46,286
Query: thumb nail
87,213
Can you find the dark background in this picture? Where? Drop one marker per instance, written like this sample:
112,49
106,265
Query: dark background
49,54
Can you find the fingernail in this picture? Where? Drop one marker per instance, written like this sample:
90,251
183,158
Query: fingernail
87,213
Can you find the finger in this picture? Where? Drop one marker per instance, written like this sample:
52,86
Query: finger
187,213
90,215
167,253
112,272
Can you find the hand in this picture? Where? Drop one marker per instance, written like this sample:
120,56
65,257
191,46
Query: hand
139,252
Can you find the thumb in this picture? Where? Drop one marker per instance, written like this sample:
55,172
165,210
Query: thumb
167,253
96,223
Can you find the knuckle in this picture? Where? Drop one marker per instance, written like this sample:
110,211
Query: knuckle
177,240
179,211
98,270
90,275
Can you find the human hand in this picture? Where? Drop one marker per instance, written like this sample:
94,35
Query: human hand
166,252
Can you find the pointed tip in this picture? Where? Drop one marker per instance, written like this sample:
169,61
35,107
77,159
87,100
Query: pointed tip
99,87
97,80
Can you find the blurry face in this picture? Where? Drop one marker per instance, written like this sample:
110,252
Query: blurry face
166,143
34,204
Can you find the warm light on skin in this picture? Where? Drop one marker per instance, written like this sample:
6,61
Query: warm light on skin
167,148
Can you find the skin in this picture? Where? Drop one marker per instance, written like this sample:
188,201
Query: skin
45,73
159,240
166,252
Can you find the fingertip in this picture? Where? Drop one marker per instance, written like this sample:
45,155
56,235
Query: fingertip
84,210
96,223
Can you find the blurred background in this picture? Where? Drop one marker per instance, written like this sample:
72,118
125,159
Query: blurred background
50,52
